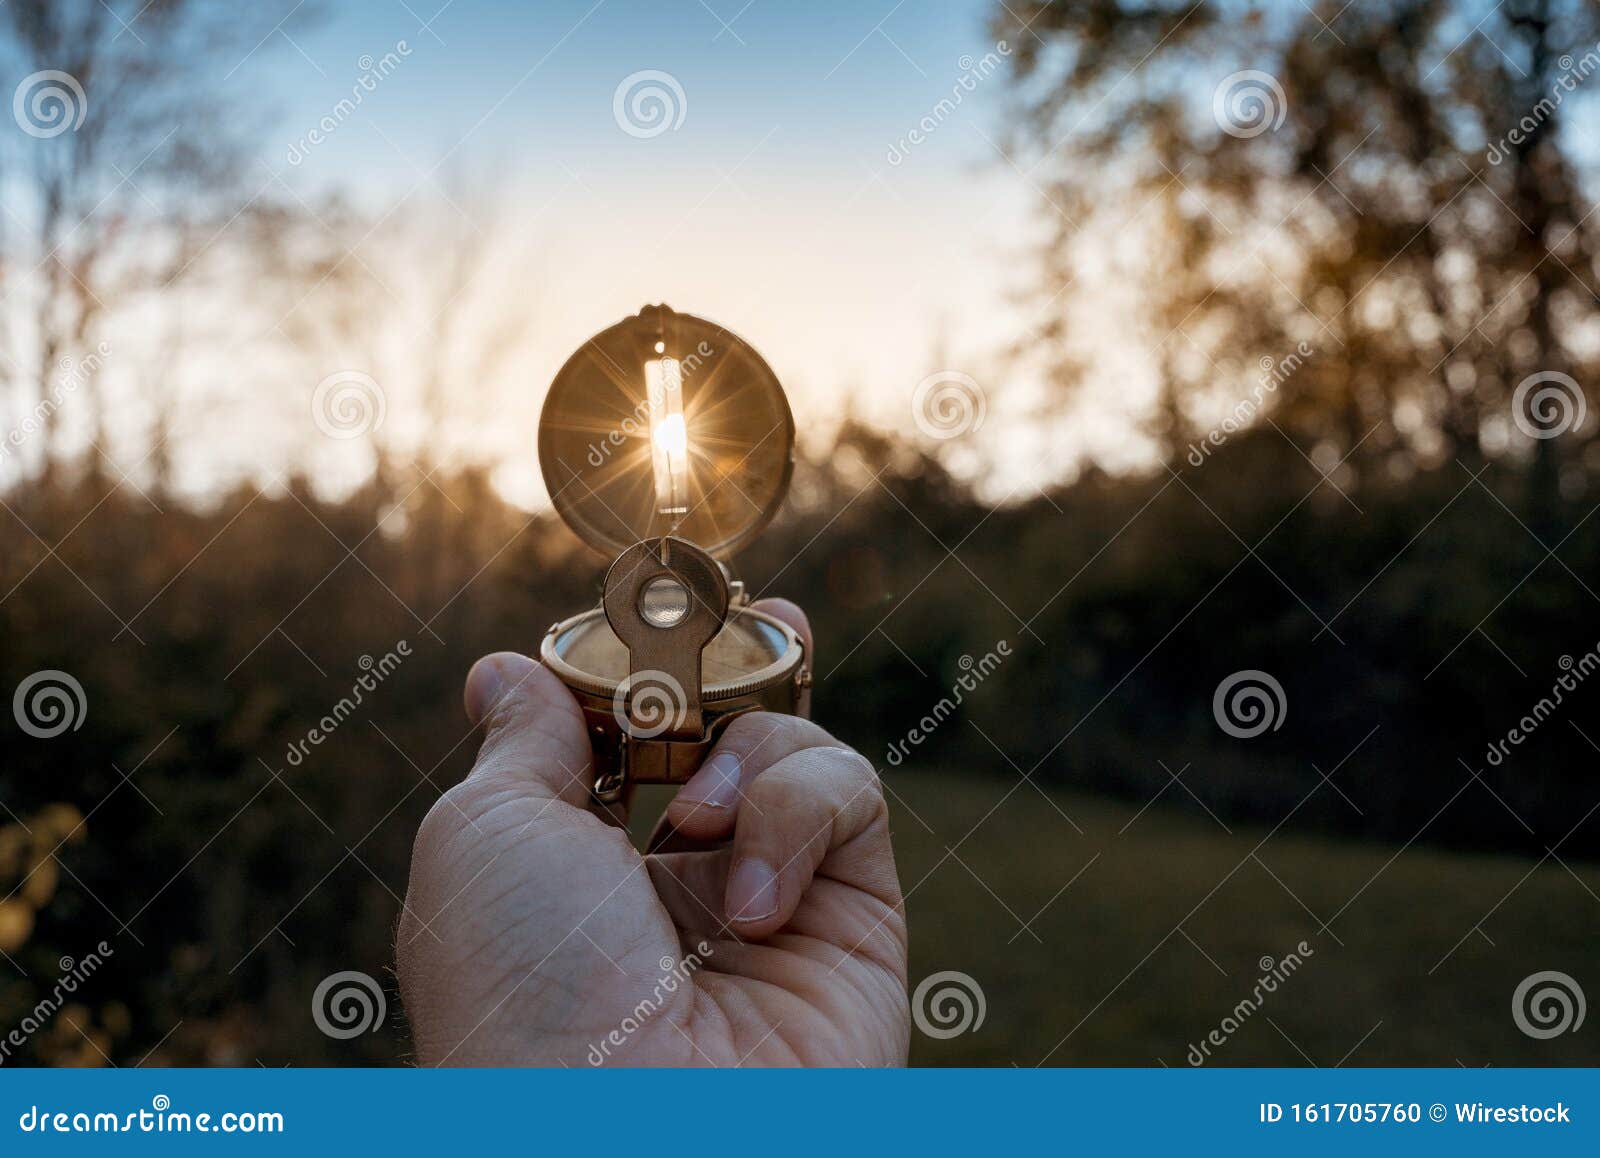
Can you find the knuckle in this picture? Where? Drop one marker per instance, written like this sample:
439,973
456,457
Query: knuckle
754,730
857,781
851,766
837,778
785,790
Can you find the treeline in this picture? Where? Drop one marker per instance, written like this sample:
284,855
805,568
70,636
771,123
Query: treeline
184,819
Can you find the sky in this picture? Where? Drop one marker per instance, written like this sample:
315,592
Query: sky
829,179
785,200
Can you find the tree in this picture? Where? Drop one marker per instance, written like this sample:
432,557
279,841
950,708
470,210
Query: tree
126,160
1396,185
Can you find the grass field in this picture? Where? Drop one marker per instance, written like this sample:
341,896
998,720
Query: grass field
1163,930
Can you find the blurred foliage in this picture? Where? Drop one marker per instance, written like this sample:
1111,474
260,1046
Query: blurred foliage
1238,178
229,881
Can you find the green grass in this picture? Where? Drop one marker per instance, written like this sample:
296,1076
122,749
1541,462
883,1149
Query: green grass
1163,931
1155,942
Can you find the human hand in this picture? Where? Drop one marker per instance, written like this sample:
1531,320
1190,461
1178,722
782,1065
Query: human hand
533,933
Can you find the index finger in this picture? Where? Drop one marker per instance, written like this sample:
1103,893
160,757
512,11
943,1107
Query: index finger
706,807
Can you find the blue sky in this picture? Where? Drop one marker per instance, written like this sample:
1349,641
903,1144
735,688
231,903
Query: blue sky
842,79
772,207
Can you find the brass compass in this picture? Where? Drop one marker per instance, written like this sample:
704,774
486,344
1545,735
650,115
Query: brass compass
666,442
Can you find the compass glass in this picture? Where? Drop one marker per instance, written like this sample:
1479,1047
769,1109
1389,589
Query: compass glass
666,424
745,645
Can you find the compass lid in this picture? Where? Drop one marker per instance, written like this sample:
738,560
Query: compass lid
666,424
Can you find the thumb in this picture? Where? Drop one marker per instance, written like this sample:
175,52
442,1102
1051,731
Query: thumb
534,735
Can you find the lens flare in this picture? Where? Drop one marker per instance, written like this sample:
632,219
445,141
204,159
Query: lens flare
666,424
669,435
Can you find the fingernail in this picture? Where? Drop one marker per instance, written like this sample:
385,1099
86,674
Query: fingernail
717,784
752,890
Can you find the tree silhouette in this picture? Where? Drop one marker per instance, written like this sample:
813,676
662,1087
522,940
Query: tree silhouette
1398,185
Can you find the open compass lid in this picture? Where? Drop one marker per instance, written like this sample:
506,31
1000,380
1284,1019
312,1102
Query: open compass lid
666,424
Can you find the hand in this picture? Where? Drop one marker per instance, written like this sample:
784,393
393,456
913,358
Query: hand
534,934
